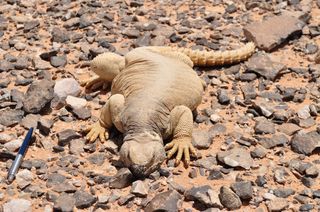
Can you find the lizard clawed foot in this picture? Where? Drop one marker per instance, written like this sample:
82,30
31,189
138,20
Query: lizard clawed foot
182,146
94,83
96,130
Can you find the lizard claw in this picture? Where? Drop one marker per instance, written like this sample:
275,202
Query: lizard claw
97,131
182,146
94,83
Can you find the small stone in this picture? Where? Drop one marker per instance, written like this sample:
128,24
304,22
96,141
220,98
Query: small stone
24,178
124,200
54,179
75,102
229,199
14,145
97,159
223,97
215,118
65,136
20,205
203,195
231,8
207,163
306,207
30,120
29,25
277,204
59,36
280,175
243,189
37,96
283,192
131,33
58,61
165,201
258,152
312,171
270,33
65,87
288,128
139,188
45,125
64,187
122,179
83,199
201,139
76,146
236,157
261,180
9,117
263,126
304,112
82,113
64,203
215,175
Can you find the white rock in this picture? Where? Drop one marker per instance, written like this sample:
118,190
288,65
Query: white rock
13,145
215,118
24,178
304,112
15,205
75,102
4,138
65,87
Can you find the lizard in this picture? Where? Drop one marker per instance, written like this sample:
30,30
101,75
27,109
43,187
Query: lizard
154,91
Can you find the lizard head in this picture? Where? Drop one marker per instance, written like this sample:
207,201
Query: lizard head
142,153
107,65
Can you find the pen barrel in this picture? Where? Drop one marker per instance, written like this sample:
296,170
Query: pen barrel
25,142
15,165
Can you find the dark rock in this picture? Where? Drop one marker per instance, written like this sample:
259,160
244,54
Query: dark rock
303,144
37,96
30,120
261,180
9,117
248,91
5,66
139,188
64,203
65,136
263,126
84,199
237,157
288,128
22,63
275,140
203,195
207,163
311,48
76,146
270,34
243,189
231,8
97,159
264,66
306,207
122,179
29,25
229,199
82,113
223,97
283,192
166,201
64,187
215,175
55,179
47,55
59,36
258,152
45,125
131,33
124,200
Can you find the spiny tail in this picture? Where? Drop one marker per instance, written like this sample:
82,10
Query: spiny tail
213,58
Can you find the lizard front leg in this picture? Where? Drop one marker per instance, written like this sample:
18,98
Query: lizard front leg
181,124
110,115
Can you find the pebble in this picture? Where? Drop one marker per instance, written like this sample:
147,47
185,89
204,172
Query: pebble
204,195
278,204
165,201
303,144
237,157
201,139
122,179
83,199
65,87
76,103
24,178
264,126
65,136
64,203
243,189
58,61
229,199
10,117
139,188
14,145
223,97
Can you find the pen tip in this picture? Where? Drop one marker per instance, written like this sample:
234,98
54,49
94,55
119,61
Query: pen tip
10,178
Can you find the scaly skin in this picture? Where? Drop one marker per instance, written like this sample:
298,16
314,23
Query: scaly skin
154,91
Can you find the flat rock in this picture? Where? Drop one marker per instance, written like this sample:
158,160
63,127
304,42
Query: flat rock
14,145
139,188
243,189
20,205
75,102
264,66
76,146
271,33
288,128
122,179
83,199
9,117
24,178
64,203
264,126
65,136
278,204
65,87
304,144
237,157
165,201
229,199
30,120
97,158
58,61
201,139
203,195
38,95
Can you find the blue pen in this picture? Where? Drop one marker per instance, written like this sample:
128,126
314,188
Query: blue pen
17,161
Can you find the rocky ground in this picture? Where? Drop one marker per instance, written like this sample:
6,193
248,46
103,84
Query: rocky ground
256,131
